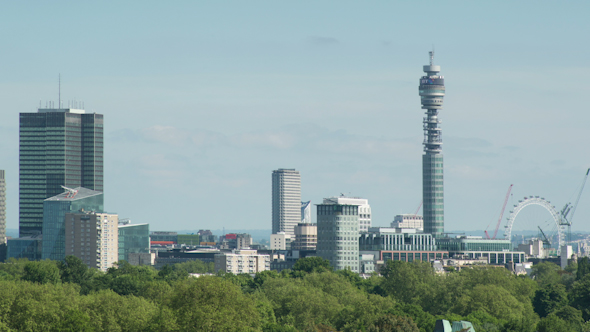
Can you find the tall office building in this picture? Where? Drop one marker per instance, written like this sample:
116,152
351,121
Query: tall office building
364,210
58,147
2,208
286,200
338,234
432,92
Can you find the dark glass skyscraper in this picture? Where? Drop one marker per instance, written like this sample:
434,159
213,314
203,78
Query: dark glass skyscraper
58,147
432,92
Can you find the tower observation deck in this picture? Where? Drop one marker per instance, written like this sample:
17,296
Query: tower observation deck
432,92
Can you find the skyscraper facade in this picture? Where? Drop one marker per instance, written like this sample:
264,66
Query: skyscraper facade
338,234
58,147
2,208
364,210
286,200
432,92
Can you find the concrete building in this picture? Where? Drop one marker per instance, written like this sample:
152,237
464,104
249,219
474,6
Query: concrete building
306,237
2,208
566,253
534,248
58,147
306,212
364,210
286,200
242,261
93,237
408,221
280,241
54,216
133,239
338,234
432,92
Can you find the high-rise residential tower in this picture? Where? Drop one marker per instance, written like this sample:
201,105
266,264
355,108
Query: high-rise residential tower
286,200
432,92
58,147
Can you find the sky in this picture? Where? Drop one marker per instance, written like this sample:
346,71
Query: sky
203,99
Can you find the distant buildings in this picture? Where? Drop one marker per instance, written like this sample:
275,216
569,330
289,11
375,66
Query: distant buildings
54,212
306,237
338,234
58,147
133,239
235,241
93,237
280,241
408,221
2,208
242,261
306,212
286,200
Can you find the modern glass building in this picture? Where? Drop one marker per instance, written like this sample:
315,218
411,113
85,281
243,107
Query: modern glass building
29,247
432,92
133,238
54,214
58,147
338,235
286,200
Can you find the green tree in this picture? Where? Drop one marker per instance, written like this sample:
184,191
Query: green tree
390,323
41,272
213,304
552,323
546,273
583,268
549,298
312,264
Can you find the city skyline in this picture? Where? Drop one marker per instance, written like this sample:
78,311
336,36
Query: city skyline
203,109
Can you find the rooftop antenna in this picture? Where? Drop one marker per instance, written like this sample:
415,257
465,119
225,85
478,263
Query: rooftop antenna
59,92
431,55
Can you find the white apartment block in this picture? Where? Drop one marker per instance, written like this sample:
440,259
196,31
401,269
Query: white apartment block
93,237
280,241
408,221
242,261
306,237
364,210
286,200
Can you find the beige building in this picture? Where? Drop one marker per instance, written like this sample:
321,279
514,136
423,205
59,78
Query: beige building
408,221
242,261
306,237
280,241
93,237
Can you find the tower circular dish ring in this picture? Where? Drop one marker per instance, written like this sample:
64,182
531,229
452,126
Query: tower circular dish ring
541,202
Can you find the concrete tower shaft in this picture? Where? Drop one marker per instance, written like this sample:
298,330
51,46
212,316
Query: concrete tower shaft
432,92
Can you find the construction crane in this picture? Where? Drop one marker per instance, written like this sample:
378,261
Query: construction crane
418,209
569,207
501,214
546,242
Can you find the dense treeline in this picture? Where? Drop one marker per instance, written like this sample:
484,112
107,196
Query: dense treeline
67,296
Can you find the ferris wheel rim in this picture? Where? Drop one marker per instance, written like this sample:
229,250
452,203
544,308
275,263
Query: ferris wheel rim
540,202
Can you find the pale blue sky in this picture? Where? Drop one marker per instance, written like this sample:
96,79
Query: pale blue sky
202,100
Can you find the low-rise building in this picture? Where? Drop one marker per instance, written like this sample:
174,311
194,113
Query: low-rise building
280,241
242,261
408,221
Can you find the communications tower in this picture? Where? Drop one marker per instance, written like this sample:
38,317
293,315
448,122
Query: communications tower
432,92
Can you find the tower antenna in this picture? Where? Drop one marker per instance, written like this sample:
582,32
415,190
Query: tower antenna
59,92
432,56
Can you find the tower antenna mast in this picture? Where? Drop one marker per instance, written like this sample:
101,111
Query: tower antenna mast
59,92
